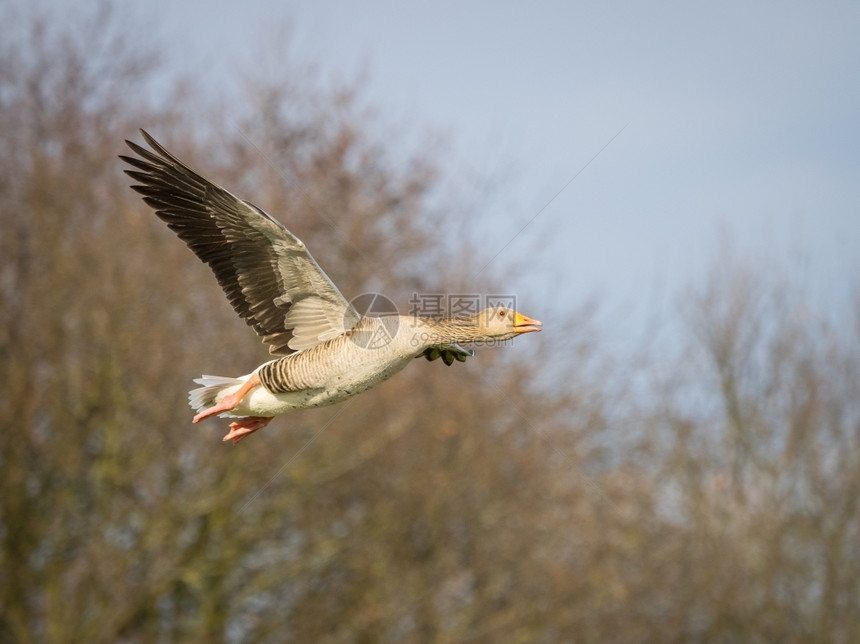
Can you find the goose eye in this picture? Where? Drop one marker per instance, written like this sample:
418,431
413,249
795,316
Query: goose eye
502,313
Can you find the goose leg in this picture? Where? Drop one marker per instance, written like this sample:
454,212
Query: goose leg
229,402
242,428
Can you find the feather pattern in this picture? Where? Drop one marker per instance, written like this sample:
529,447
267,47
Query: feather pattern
268,275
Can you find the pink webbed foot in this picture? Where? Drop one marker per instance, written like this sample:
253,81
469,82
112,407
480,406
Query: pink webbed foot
242,428
229,402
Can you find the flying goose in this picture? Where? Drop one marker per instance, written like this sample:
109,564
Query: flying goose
326,351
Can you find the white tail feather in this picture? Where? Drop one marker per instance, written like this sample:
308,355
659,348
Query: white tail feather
207,396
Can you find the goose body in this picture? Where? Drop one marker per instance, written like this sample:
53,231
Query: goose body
326,374
326,351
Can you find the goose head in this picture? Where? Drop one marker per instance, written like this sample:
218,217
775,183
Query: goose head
502,323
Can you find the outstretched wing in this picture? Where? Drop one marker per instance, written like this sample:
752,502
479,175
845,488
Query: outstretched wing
268,275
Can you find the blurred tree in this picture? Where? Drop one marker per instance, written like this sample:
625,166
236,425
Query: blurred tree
481,503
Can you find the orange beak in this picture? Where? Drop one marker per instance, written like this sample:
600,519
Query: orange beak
523,324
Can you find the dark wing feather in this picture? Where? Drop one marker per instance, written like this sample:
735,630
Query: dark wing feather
268,275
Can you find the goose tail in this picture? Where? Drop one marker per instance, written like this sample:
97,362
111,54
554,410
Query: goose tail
208,395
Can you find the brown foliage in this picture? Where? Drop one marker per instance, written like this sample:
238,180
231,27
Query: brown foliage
477,503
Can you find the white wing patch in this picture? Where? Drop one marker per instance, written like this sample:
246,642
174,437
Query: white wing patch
314,320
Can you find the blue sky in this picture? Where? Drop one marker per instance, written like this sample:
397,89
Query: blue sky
741,117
